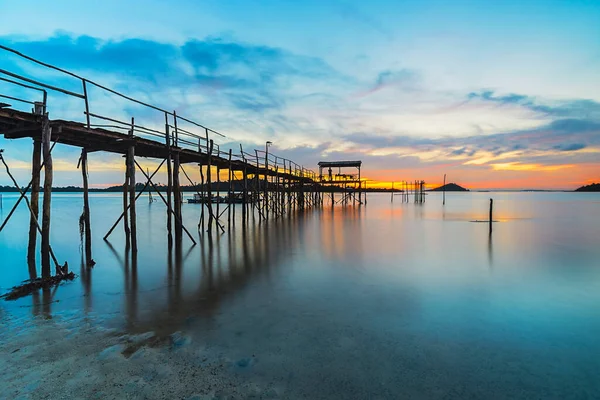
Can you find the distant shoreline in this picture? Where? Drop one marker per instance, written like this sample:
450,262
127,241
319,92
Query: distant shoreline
237,186
192,190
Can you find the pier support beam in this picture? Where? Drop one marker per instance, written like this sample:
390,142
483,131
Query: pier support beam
169,182
209,184
229,192
126,205
46,207
35,207
177,198
131,169
85,217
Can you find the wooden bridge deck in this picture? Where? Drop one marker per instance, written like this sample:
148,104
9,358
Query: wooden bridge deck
18,124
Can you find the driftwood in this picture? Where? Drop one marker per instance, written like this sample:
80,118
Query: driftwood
31,286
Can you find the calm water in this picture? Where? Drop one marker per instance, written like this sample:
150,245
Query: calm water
382,301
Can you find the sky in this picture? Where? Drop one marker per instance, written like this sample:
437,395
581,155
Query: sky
497,95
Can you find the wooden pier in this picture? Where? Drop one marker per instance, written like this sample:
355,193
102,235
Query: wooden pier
272,185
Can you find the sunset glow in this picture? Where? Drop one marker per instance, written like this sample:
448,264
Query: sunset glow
412,97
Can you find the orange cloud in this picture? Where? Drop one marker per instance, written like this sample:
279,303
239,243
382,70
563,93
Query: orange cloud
517,166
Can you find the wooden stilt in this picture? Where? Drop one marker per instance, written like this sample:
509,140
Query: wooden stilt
46,207
35,207
230,192
86,210
131,168
245,194
209,185
266,187
126,204
150,199
218,214
258,200
177,197
202,184
169,182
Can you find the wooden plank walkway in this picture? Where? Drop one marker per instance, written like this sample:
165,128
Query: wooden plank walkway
16,124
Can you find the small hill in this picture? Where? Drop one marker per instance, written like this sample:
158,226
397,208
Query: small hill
594,187
450,187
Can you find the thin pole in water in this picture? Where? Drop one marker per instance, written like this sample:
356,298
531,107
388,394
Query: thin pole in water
491,211
444,191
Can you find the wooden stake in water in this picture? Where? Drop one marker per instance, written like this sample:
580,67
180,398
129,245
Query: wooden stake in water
491,212
444,191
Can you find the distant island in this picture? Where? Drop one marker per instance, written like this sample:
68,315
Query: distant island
450,187
594,187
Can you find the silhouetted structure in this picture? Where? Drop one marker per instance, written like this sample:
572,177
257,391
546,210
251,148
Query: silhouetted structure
349,184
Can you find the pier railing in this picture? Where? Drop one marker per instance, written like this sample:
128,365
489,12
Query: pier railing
178,131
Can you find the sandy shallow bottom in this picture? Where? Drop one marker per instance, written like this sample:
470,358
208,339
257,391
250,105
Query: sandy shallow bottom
70,356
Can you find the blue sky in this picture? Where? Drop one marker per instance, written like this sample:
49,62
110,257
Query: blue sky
496,94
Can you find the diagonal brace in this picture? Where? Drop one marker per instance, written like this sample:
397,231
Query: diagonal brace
164,201
136,197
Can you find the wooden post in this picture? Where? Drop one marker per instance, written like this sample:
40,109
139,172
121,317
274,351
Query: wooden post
177,197
150,199
257,185
392,197
444,191
209,185
177,184
266,188
290,185
218,214
245,193
230,193
131,168
125,204
35,207
46,207
86,209
491,212
202,205
283,189
169,181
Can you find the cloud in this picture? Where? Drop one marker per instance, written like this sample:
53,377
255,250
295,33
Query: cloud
549,143
517,166
578,108
404,78
570,147
243,76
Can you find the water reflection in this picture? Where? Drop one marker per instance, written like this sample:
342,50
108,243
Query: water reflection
357,296
194,283
490,251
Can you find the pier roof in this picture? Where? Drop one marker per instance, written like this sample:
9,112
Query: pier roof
340,164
